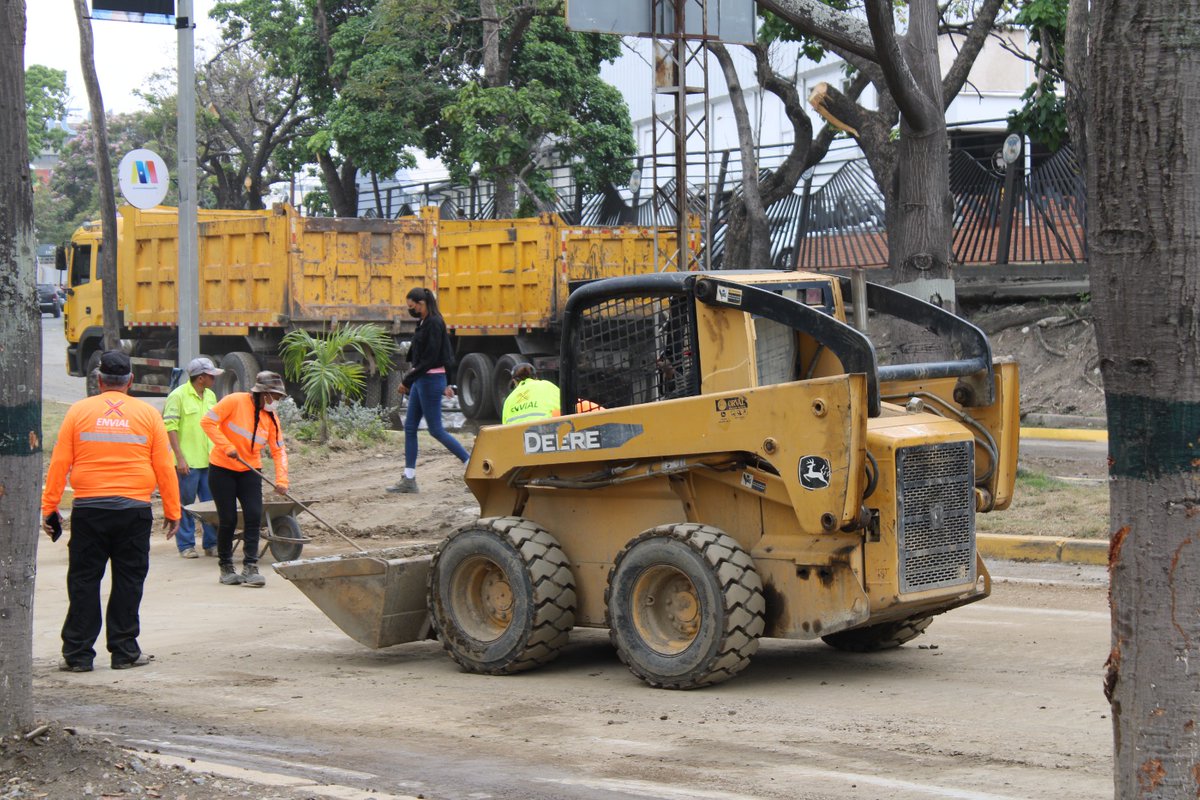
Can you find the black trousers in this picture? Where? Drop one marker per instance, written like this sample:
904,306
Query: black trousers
100,535
230,488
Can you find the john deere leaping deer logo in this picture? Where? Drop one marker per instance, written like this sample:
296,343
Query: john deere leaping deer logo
814,472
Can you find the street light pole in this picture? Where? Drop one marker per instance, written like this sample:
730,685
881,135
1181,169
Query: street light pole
188,286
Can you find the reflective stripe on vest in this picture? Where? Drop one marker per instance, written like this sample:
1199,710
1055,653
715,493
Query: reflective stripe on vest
124,438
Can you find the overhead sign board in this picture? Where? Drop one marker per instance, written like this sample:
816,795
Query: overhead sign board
728,20
156,11
144,179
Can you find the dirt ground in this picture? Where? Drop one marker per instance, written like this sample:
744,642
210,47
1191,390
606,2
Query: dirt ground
238,669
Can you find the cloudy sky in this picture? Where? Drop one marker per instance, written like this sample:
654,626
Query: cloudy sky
126,53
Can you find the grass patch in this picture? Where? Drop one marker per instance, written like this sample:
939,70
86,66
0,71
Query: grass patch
52,418
1047,506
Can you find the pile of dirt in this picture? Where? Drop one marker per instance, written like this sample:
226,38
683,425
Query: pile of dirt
56,762
1055,345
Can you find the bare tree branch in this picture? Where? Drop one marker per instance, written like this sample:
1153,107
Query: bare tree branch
956,76
914,105
833,27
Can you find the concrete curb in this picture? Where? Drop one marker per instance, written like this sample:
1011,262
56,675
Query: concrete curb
1043,548
1065,434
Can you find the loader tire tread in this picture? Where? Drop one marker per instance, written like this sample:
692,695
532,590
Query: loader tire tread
744,605
885,636
552,602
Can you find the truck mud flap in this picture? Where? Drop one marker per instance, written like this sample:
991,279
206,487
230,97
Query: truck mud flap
376,597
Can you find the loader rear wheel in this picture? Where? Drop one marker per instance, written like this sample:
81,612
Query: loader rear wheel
501,596
475,385
684,606
240,371
885,636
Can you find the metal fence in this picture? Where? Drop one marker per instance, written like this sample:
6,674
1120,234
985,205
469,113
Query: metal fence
1030,212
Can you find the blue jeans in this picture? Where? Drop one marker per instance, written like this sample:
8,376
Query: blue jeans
425,400
193,487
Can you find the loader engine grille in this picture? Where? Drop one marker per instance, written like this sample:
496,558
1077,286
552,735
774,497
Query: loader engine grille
634,350
935,527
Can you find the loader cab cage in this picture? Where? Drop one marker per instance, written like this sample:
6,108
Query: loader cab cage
629,341
633,340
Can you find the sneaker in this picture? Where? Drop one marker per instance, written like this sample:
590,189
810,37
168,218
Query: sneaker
229,575
142,660
252,577
66,666
189,553
405,486
211,552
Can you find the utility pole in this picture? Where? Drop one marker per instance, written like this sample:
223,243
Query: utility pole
188,286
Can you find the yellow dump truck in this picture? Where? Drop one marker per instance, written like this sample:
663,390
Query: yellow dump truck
502,286
755,472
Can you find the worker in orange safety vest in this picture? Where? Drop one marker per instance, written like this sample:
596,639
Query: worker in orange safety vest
240,426
115,450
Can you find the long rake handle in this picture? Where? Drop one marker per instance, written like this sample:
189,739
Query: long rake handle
352,543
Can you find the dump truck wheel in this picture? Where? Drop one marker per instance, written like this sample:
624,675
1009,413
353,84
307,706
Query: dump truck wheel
502,377
286,528
475,385
240,370
884,636
684,606
501,596
90,372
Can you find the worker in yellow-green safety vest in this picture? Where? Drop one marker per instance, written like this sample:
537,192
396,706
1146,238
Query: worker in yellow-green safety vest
530,398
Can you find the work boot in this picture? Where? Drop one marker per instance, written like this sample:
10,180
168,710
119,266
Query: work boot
141,661
252,577
189,553
211,552
67,666
229,575
405,486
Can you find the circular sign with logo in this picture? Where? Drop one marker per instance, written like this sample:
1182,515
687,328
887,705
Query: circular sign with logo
143,177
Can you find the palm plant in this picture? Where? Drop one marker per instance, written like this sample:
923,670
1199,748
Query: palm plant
321,367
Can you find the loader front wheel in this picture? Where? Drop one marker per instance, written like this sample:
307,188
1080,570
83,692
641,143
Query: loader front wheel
501,596
684,606
885,636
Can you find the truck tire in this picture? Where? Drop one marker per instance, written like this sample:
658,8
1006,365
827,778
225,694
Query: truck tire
286,528
501,596
885,636
475,386
373,391
684,606
240,370
502,377
89,372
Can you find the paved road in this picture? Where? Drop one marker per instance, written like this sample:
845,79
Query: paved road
57,385
1000,700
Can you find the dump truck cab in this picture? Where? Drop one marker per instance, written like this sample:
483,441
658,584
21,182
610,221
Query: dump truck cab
82,311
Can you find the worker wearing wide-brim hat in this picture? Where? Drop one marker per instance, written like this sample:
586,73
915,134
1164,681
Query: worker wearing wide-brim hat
240,426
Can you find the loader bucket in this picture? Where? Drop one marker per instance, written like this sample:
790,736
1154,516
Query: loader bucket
376,597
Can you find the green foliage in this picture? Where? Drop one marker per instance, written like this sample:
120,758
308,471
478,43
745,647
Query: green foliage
45,104
320,363
1043,114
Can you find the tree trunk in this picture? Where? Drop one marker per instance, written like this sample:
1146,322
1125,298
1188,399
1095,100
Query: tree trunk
919,224
1143,139
748,237
340,181
21,389
108,201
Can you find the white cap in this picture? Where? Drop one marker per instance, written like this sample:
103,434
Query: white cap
202,366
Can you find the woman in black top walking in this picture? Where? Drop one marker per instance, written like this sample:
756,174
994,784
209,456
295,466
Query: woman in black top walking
429,355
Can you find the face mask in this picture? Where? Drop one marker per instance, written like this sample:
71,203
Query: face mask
271,406
413,312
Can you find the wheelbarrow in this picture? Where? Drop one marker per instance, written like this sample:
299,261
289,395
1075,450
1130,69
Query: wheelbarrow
281,531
